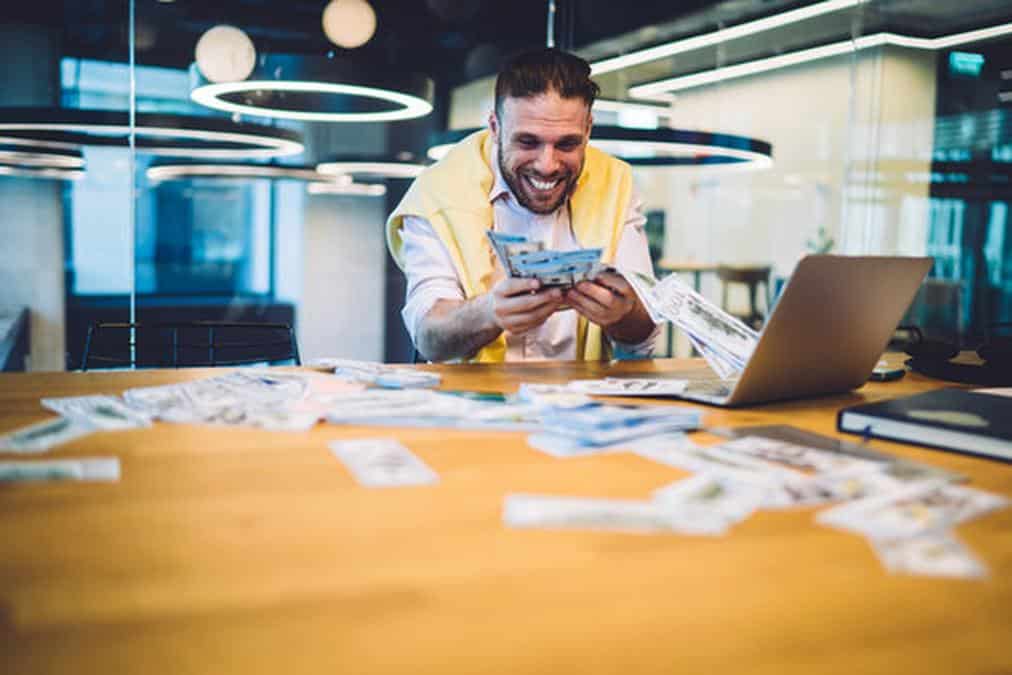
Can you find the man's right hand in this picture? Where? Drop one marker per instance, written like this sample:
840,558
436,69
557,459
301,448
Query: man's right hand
520,305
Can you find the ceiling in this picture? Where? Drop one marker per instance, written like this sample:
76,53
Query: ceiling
454,41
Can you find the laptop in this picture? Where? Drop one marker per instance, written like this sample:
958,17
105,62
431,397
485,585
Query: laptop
827,330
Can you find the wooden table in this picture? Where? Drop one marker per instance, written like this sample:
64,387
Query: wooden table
245,551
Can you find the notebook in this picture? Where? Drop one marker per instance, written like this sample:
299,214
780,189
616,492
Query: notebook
951,419
827,331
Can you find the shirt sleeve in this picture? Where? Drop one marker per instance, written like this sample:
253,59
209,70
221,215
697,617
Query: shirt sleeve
633,253
429,270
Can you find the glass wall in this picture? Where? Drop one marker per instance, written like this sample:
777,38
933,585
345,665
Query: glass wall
888,126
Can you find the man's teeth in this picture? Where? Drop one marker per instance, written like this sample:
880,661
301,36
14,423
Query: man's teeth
542,184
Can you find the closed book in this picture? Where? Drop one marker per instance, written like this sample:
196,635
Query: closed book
950,419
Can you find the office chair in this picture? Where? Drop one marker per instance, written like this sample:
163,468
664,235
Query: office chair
751,277
188,344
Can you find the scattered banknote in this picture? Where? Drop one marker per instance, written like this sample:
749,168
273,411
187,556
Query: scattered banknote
42,436
601,425
936,554
631,386
276,401
382,462
551,396
706,496
104,413
380,374
912,510
90,469
899,469
800,457
617,515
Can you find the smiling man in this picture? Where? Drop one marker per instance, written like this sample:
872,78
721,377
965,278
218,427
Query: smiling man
531,173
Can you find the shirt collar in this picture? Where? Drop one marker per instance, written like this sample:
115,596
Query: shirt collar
499,185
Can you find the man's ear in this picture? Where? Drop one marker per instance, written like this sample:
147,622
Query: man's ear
590,122
493,126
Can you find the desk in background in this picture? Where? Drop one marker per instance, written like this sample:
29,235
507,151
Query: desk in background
247,551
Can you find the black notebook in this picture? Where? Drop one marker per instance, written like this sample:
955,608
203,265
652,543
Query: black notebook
951,419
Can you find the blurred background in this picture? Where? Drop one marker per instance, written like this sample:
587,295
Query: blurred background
236,160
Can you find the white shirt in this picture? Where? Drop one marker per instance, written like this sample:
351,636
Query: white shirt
432,277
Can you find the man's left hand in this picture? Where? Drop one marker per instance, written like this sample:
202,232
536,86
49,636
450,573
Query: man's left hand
610,302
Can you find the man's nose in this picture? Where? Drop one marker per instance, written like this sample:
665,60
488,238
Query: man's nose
548,161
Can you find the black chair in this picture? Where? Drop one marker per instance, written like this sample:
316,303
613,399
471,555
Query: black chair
188,344
750,277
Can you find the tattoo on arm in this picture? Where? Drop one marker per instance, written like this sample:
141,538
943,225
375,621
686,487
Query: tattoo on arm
457,329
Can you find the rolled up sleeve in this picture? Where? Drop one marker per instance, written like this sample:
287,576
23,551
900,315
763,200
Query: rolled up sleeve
429,270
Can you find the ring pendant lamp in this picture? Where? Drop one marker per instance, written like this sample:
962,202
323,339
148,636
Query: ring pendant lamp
162,134
40,172
662,146
658,147
372,168
162,171
318,89
30,162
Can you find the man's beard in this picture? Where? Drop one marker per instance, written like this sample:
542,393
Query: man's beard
519,189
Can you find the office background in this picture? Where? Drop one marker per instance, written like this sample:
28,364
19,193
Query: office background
888,121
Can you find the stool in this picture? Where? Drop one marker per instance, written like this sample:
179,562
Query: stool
751,276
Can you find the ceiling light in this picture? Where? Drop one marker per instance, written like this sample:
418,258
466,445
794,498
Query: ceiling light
349,23
237,170
371,168
681,82
658,147
225,54
43,172
347,189
319,89
719,36
155,133
16,155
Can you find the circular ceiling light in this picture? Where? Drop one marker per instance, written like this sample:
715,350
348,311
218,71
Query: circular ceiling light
351,189
15,155
318,89
155,133
162,171
349,23
371,168
225,54
657,147
40,172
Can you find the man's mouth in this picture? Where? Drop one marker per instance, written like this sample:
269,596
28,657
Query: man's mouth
542,185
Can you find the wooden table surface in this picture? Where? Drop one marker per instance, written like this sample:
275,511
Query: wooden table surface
246,551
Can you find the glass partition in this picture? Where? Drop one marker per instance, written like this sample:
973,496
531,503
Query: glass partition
887,123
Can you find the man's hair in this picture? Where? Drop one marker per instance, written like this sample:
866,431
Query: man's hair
544,70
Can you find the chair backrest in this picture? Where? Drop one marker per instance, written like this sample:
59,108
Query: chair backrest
188,344
751,276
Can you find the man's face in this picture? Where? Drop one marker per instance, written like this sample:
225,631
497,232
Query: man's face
542,140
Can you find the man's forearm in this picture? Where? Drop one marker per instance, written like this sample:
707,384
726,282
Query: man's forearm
457,328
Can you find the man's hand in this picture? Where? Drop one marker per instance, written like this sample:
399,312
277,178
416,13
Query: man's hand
519,305
610,302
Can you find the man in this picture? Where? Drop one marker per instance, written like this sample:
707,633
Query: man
530,173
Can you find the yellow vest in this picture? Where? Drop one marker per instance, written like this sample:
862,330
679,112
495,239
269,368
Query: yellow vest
452,195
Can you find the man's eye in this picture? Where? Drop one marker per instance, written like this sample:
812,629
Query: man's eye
527,143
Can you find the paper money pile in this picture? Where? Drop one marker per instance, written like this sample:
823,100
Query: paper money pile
724,341
522,258
907,511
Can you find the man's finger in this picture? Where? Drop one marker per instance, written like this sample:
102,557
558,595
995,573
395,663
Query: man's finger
528,301
521,323
512,286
